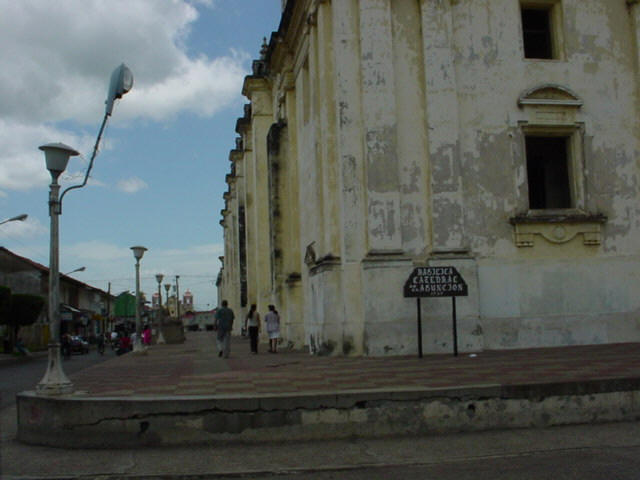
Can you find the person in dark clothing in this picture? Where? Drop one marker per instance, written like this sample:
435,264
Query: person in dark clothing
224,324
66,346
252,323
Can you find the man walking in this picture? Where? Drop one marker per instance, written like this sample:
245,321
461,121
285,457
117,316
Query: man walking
224,322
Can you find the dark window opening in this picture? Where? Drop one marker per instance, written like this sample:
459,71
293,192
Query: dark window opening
536,29
548,172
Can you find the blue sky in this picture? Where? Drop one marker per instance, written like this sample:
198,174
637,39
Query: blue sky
159,177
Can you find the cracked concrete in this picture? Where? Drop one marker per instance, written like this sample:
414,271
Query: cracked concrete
183,420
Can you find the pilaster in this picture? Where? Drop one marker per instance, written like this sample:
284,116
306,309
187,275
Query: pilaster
447,204
380,128
258,91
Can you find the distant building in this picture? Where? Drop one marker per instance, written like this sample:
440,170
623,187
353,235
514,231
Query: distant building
499,137
187,302
84,309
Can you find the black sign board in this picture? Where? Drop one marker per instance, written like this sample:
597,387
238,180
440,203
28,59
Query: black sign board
435,282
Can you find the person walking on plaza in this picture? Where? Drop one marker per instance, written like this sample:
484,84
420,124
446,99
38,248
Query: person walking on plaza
252,324
272,319
146,336
224,324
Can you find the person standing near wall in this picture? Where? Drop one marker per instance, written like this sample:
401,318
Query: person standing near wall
252,324
224,324
272,319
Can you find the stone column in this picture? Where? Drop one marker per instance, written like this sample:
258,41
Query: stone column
261,120
350,156
447,206
380,128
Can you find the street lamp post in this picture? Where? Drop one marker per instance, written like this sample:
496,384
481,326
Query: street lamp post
17,218
161,339
55,381
178,298
138,252
167,287
57,155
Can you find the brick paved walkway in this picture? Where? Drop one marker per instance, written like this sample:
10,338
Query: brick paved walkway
194,368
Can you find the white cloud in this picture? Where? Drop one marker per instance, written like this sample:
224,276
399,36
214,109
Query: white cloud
29,228
97,251
57,58
131,185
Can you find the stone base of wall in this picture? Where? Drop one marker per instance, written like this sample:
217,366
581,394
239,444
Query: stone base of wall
75,421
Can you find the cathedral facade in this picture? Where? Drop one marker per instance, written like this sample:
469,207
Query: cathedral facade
497,137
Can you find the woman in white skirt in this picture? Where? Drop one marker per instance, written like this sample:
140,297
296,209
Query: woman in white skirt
272,319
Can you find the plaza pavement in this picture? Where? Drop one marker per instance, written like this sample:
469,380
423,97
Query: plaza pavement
194,368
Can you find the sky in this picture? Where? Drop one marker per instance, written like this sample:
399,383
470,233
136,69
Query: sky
159,176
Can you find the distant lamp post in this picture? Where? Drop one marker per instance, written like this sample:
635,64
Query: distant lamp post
17,218
178,299
80,269
161,339
167,287
57,156
55,382
138,252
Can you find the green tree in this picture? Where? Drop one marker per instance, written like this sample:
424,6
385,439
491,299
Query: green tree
25,310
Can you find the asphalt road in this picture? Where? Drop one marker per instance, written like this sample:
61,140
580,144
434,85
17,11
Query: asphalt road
570,464
25,374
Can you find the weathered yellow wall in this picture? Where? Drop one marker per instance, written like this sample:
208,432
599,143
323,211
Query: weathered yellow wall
404,145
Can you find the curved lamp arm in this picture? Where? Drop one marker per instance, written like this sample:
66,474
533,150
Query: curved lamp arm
121,82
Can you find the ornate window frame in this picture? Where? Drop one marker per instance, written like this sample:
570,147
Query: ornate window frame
552,110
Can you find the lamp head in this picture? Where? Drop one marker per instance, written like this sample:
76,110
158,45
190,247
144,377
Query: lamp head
19,218
167,286
56,156
159,277
138,251
121,83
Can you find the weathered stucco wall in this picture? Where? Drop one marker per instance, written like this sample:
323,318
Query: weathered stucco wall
407,122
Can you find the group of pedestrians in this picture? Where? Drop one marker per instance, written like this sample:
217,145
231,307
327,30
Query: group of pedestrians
224,324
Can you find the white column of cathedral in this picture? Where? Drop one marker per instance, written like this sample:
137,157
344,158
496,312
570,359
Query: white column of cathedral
314,144
350,154
238,199
261,121
447,207
327,124
412,128
380,128
294,323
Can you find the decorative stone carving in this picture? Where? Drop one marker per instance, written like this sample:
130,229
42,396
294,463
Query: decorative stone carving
549,94
557,229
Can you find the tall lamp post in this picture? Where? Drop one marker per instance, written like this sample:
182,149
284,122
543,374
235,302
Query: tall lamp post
178,299
57,155
167,287
55,381
161,339
138,252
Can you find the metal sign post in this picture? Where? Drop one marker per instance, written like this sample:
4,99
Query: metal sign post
419,329
436,282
